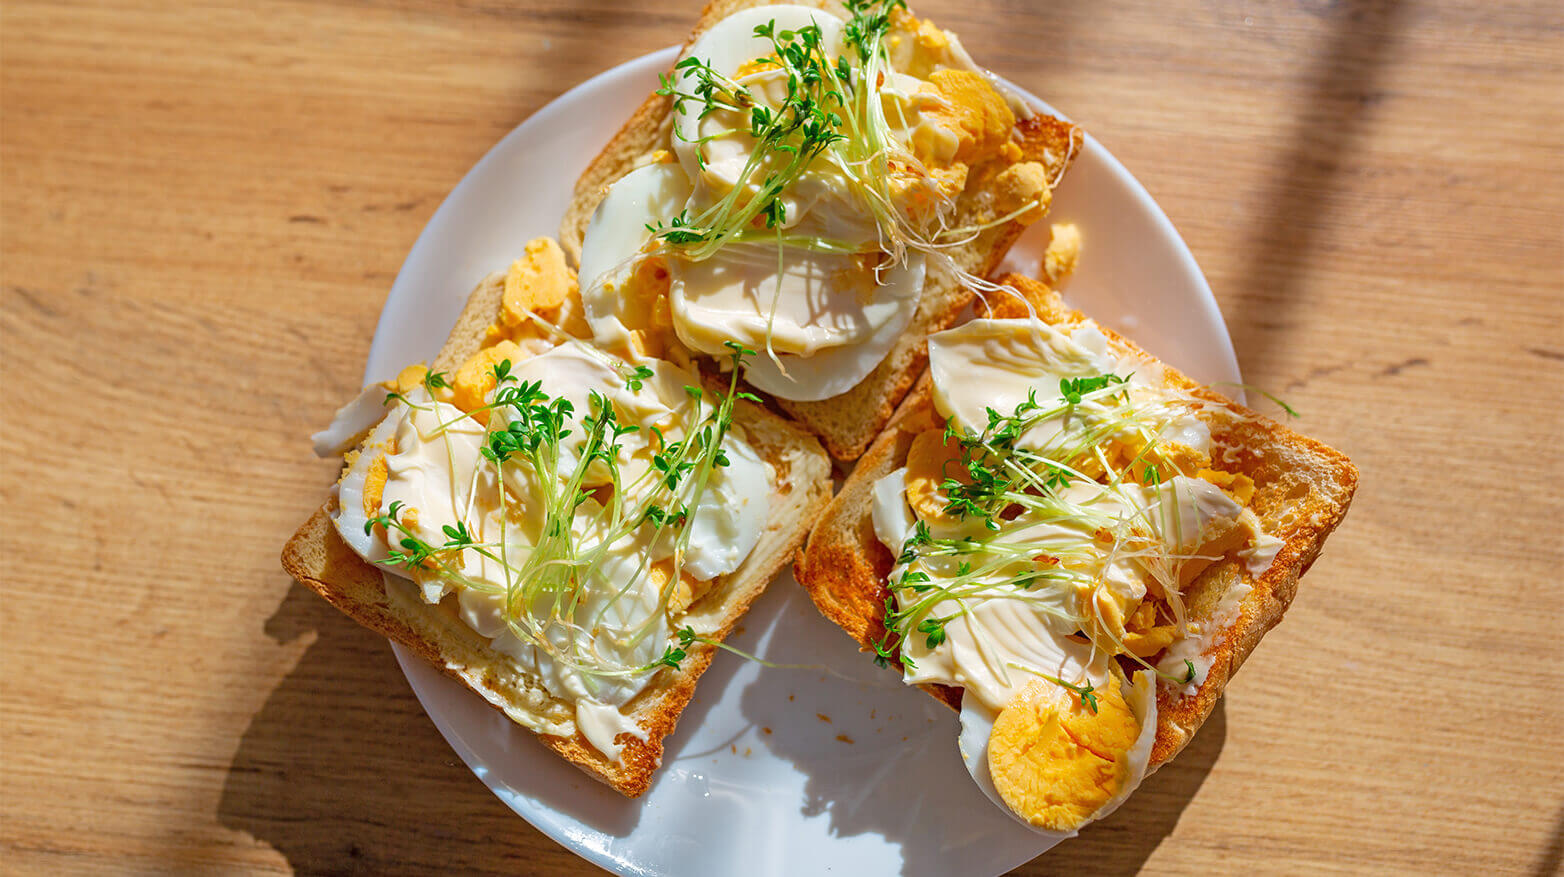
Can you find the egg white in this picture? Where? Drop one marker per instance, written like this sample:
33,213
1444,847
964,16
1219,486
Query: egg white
728,45
653,195
349,516
1010,358
831,371
814,340
731,515
351,422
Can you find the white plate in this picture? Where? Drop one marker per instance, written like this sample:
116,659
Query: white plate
771,772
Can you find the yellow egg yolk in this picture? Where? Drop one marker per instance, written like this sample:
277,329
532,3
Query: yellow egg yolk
1054,760
1025,187
409,378
374,486
930,460
685,591
968,106
645,310
475,378
1241,486
538,281
1063,254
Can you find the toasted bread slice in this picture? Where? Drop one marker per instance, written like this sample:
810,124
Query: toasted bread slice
317,557
846,423
1302,492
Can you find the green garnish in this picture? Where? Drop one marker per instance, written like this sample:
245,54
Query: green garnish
1078,504
552,446
1085,691
788,138
1291,412
634,380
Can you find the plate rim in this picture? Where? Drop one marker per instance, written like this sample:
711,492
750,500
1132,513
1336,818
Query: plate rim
403,290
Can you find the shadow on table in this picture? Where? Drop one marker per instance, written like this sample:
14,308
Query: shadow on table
339,763
1327,131
1553,856
336,767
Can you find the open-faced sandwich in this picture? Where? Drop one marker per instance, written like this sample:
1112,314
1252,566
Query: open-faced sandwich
1073,545
567,532
824,183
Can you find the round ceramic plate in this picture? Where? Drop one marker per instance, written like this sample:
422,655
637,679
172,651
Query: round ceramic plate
771,771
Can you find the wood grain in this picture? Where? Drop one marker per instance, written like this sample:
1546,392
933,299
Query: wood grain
202,206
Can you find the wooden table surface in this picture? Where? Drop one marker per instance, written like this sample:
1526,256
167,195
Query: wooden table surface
204,206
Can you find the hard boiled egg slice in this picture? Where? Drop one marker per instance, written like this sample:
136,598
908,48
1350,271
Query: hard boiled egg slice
731,513
829,321
1059,765
1010,358
369,466
650,195
977,727
995,363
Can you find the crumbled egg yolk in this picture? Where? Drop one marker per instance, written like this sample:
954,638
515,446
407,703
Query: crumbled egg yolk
475,378
685,591
1165,460
645,310
538,284
1062,255
1223,537
963,121
931,39
1241,486
1148,642
1104,614
409,378
948,181
1054,760
974,117
916,45
1024,186
538,281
